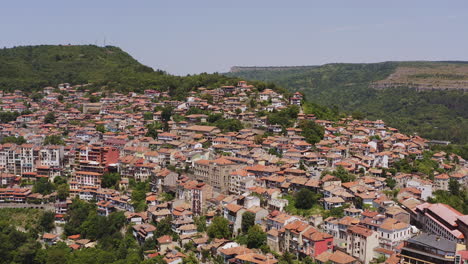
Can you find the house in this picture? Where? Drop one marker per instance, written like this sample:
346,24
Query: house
233,213
105,208
337,257
332,202
143,232
165,243
50,239
392,232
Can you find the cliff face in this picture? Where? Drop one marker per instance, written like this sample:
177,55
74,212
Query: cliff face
427,76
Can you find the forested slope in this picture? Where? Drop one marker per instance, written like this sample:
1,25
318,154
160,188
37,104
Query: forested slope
30,68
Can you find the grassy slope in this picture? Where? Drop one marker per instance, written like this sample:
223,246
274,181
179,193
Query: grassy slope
21,217
433,114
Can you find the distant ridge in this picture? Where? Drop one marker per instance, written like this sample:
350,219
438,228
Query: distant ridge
265,68
427,97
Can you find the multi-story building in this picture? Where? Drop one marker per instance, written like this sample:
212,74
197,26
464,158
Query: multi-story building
51,156
441,182
240,181
82,180
440,219
16,195
196,194
215,172
428,249
105,156
302,239
361,243
392,232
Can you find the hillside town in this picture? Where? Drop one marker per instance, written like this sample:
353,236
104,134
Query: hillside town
235,174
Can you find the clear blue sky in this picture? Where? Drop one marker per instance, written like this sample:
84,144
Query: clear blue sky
206,36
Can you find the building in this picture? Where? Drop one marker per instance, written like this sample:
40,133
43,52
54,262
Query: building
361,243
15,195
84,180
392,232
240,181
429,249
441,220
196,194
215,172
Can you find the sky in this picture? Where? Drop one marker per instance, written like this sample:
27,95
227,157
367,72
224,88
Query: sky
194,36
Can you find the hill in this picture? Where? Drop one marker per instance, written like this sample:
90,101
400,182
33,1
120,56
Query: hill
423,97
30,68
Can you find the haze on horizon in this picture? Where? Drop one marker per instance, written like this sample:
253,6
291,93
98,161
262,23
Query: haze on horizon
186,37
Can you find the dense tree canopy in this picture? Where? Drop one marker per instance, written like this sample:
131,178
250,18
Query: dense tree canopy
305,199
12,139
256,237
49,118
110,180
54,140
219,228
248,220
312,132
285,117
343,174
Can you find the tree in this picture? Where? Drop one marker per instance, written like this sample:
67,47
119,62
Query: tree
258,139
287,258
59,180
191,259
253,103
305,199
36,97
43,186
207,97
166,114
54,140
101,128
94,99
358,115
391,182
62,191
285,117
312,132
12,139
219,228
148,116
152,129
229,125
110,179
343,174
46,221
454,187
335,212
256,237
200,222
49,118
248,220
163,227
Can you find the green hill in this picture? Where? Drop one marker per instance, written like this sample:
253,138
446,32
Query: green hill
425,97
30,68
